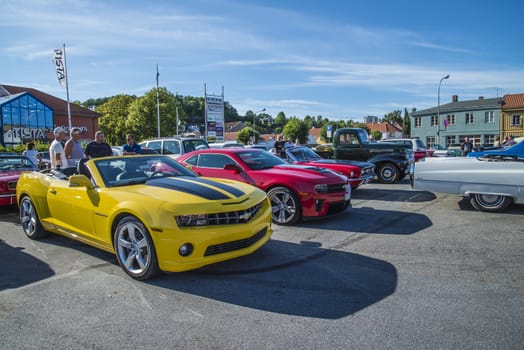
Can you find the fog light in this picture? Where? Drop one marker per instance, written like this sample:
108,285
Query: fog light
185,249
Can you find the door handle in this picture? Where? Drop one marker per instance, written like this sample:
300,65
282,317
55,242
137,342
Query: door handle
52,191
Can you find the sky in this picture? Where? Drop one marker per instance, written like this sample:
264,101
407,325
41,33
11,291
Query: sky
336,59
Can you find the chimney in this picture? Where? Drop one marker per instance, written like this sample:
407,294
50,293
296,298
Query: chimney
455,98
481,97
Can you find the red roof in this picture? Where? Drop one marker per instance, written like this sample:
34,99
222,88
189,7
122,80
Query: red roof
383,127
513,101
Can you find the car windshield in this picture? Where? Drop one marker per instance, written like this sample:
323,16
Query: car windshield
303,154
121,171
258,159
10,163
194,145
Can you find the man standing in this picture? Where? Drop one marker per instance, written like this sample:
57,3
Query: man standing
131,147
98,148
56,151
73,148
279,147
466,147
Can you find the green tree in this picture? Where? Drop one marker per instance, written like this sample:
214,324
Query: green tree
406,124
296,129
114,113
280,119
393,117
143,118
245,134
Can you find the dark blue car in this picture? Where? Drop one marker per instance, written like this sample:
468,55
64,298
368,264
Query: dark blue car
515,151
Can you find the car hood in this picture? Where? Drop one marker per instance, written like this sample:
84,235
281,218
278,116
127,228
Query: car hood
307,171
186,189
8,175
337,161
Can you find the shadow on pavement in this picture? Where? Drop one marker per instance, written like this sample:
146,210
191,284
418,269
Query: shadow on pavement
410,196
19,268
292,279
373,221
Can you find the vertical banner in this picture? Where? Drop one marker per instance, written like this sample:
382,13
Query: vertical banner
59,61
214,118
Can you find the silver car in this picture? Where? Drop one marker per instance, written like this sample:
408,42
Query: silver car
491,183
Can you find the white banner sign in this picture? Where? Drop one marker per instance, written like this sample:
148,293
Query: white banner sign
59,61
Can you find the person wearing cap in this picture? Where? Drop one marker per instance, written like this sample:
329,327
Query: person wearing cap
97,147
56,151
73,148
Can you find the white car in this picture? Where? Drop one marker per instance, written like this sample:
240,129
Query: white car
491,183
419,149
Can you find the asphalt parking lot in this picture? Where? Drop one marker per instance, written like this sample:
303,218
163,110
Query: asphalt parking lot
402,269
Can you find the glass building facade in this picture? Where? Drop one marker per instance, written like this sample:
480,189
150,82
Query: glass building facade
24,119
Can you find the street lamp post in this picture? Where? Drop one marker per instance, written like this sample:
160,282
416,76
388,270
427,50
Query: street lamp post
254,121
438,108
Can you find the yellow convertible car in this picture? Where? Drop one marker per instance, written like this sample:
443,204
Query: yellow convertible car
149,210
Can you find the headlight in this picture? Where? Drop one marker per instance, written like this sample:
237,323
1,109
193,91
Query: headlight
191,220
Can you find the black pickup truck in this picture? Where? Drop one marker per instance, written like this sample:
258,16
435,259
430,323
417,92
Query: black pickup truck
392,161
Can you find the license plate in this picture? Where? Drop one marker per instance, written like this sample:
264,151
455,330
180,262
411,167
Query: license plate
347,196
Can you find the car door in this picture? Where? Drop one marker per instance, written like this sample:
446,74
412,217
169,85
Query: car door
72,208
212,165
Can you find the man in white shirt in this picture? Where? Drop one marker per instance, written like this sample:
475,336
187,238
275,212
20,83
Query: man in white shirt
56,150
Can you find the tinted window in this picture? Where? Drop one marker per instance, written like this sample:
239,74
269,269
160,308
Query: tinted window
214,161
156,145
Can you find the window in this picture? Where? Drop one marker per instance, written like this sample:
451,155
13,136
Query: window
434,120
490,139
516,120
418,122
217,161
469,118
451,119
450,140
431,141
489,117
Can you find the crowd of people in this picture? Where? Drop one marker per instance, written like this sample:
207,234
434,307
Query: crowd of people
67,153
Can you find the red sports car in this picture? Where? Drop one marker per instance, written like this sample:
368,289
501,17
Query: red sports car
11,166
296,192
358,173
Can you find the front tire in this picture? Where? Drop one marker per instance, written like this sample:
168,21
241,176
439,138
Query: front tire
285,206
135,250
29,219
490,202
387,173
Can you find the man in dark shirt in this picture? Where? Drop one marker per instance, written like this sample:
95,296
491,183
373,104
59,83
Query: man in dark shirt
97,147
279,147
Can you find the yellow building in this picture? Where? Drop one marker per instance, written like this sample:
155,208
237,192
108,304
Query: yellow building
511,117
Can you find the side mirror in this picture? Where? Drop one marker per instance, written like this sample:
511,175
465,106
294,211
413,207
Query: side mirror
80,181
233,167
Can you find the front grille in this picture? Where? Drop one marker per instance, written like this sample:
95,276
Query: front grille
226,218
234,217
336,188
235,245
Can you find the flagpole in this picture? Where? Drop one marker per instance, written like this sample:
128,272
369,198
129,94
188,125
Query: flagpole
67,92
157,102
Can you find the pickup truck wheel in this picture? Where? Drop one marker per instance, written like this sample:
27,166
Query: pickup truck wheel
490,202
285,206
387,173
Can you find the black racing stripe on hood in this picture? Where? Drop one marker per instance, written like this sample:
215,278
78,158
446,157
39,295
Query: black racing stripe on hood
187,187
232,190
